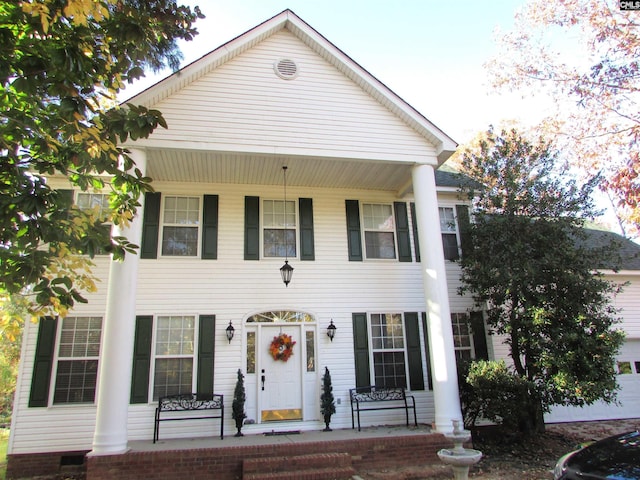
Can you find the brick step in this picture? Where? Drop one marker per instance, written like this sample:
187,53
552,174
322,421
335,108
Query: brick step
327,473
315,466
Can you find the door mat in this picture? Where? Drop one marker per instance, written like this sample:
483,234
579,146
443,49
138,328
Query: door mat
290,432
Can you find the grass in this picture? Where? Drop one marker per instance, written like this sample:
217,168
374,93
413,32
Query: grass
4,440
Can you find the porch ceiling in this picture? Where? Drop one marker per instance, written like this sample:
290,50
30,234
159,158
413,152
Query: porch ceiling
220,167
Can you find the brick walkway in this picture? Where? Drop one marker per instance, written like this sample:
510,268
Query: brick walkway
586,431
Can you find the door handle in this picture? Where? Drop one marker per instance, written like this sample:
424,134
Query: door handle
263,379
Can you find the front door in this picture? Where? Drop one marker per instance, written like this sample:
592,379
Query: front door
280,375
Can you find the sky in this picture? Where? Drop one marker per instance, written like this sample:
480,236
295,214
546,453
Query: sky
429,52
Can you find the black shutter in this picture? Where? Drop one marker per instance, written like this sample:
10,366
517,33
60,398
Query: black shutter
361,349
252,228
414,360
141,359
307,248
426,350
479,338
150,225
354,237
65,197
462,212
206,349
43,362
210,227
402,231
416,239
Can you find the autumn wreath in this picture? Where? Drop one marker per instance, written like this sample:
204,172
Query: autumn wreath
282,347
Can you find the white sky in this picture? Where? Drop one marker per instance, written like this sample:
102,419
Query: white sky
429,52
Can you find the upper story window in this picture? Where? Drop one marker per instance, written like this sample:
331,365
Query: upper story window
449,229
94,201
180,225
77,366
379,230
279,228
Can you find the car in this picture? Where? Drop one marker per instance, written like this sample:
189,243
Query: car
614,458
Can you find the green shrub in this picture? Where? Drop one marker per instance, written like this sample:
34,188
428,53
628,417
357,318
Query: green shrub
490,390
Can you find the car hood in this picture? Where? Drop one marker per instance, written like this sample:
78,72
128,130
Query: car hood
615,458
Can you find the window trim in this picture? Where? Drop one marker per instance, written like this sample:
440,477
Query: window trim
198,226
471,349
154,356
53,380
296,229
393,231
373,351
456,231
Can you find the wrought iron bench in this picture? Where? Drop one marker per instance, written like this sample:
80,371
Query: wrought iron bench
362,397
169,406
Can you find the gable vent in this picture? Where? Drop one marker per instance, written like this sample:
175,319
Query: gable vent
286,69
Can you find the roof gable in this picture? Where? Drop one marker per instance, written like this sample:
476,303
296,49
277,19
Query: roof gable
288,21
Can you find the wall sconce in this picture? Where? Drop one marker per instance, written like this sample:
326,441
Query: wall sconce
230,331
331,330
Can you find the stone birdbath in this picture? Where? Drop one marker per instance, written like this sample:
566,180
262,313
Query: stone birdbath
458,457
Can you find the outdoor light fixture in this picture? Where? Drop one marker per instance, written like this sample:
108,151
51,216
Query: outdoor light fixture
230,331
286,271
331,330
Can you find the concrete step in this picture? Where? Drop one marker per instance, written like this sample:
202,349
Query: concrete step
316,466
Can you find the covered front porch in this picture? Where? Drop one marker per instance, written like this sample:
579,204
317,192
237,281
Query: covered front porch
340,453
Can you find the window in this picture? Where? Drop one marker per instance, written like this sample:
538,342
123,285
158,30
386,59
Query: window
387,342
94,201
462,341
251,352
449,230
279,225
174,350
311,351
379,230
78,353
624,368
181,219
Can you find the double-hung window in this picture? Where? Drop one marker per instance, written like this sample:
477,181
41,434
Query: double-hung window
388,349
174,355
279,228
181,221
462,338
77,365
379,230
449,229
99,202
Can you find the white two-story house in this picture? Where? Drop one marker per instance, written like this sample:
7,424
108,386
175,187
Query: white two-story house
361,213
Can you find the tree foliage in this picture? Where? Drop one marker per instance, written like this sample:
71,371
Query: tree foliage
62,63
584,54
531,264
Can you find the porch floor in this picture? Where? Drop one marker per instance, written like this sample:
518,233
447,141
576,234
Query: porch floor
278,438
211,457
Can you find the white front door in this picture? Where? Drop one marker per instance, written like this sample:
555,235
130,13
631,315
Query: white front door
280,379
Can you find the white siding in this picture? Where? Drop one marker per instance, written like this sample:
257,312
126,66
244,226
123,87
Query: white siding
330,287
244,106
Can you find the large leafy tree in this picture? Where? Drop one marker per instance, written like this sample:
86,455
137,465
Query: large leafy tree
62,63
584,55
530,264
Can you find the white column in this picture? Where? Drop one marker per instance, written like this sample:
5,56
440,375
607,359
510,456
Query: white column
443,360
114,379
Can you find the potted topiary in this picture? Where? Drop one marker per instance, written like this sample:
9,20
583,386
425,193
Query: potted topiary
237,407
327,405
